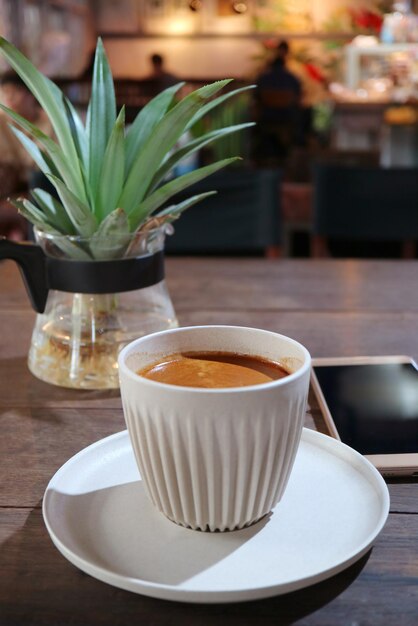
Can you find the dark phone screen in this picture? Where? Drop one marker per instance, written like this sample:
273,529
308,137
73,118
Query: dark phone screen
374,407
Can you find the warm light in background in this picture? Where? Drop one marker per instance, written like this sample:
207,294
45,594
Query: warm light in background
181,26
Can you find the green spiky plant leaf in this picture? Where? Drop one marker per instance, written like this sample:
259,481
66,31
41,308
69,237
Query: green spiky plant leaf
111,181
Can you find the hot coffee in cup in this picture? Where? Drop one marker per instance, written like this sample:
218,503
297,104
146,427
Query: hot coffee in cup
213,370
215,457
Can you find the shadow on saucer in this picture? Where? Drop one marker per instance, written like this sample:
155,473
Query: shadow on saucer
40,586
119,530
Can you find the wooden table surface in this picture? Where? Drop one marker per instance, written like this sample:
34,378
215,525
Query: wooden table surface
334,308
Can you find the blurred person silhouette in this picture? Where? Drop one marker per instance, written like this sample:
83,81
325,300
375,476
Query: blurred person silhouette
159,75
278,109
16,166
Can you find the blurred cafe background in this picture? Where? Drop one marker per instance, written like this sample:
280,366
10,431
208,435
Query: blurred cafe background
330,168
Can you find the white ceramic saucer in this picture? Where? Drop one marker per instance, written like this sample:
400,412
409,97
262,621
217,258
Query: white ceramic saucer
99,517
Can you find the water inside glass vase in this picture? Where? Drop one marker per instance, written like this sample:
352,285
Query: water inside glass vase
76,341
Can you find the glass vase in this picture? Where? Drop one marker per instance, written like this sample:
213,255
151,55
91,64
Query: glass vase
77,339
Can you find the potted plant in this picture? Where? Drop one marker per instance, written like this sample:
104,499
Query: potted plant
96,276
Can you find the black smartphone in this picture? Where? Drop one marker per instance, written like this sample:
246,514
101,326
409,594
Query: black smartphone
371,404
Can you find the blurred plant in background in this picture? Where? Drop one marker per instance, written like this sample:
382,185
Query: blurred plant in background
234,112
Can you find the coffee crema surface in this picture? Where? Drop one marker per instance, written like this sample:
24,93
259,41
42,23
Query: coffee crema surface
213,370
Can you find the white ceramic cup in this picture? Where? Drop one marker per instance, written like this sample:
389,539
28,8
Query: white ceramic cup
215,459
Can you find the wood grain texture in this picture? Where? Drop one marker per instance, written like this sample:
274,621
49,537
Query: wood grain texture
322,285
43,439
261,284
335,308
41,587
323,333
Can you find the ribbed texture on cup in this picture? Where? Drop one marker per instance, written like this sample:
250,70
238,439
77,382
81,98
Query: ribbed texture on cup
214,472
